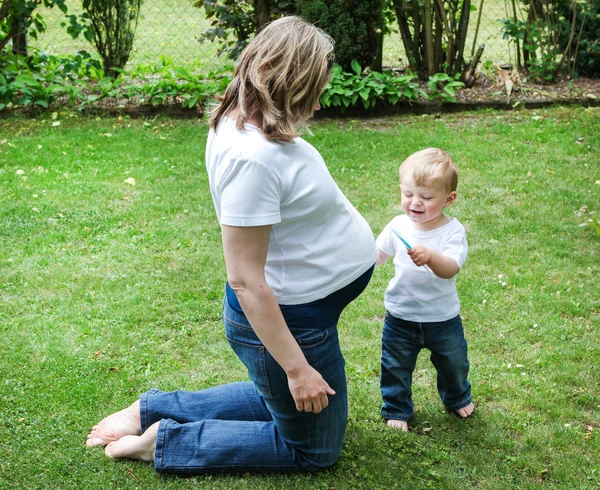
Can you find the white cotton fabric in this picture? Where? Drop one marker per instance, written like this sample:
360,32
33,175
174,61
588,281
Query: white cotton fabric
412,294
319,242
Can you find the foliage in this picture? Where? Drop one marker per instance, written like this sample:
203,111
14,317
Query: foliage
233,22
369,88
113,25
591,220
356,25
443,87
585,61
18,18
538,38
349,89
80,82
434,34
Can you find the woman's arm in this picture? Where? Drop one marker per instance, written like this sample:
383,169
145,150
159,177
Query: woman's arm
245,257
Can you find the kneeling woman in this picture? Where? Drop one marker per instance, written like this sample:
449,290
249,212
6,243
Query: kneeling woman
297,253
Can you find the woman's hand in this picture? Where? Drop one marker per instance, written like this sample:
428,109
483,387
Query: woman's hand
309,390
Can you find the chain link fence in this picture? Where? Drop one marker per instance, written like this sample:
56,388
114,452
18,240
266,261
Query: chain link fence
172,28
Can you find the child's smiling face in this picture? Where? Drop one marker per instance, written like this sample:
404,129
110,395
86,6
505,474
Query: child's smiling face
425,204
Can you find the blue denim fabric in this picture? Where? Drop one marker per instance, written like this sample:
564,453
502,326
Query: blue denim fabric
254,426
401,343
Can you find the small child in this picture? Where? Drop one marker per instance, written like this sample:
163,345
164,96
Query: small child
422,306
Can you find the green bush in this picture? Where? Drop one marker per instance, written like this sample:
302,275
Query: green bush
587,61
356,26
113,28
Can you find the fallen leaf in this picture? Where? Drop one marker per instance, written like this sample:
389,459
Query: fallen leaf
130,181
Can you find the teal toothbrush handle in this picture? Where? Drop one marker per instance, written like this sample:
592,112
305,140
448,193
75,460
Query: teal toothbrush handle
407,245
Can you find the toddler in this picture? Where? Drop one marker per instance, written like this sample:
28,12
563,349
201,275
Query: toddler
422,305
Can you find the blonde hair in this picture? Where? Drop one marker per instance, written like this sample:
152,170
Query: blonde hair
431,166
279,76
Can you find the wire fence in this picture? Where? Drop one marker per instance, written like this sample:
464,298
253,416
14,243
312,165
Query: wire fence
172,29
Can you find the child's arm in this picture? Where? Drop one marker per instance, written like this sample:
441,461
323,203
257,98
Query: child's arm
382,258
442,266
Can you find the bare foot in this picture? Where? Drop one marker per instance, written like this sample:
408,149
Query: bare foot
466,411
135,447
115,426
398,424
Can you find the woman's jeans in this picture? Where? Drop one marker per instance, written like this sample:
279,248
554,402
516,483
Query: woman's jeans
254,426
401,343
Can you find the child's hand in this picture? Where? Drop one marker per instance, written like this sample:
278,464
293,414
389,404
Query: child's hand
420,255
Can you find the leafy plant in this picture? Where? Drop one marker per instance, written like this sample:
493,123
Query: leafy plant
590,217
369,89
233,22
537,39
356,26
113,25
19,19
80,82
443,87
434,35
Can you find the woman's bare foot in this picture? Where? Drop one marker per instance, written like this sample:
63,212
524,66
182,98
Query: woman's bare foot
114,427
135,447
466,411
398,424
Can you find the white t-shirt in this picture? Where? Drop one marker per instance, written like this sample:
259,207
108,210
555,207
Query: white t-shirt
319,243
412,294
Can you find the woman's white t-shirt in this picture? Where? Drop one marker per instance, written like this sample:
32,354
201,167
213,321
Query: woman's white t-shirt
319,242
412,294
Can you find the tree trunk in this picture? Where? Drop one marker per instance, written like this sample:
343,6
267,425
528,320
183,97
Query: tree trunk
19,40
400,7
461,36
262,11
428,28
377,64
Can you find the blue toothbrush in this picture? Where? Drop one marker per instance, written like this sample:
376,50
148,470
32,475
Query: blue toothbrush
407,245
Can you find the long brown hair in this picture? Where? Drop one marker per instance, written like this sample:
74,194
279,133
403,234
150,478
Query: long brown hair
279,78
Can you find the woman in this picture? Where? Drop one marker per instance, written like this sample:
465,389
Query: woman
296,254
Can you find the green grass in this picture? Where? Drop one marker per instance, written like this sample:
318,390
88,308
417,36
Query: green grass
109,289
171,28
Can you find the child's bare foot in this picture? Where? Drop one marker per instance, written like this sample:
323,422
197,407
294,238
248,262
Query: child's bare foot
398,424
115,426
466,411
135,447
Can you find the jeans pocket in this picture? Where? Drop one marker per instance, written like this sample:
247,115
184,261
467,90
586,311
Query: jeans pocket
252,353
309,338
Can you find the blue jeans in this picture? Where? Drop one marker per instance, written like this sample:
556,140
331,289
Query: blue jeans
254,426
401,343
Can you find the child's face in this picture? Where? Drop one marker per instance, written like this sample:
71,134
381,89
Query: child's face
424,205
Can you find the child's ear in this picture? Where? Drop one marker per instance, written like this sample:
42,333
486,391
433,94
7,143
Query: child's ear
450,199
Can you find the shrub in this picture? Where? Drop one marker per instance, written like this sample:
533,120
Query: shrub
587,54
356,26
113,28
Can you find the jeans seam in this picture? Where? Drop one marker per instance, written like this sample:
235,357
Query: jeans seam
160,442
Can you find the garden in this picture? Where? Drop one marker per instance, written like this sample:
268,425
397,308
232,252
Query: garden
112,271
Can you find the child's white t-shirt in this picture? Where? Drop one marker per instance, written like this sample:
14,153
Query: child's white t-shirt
319,242
412,294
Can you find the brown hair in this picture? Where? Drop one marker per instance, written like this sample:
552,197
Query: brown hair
431,166
279,76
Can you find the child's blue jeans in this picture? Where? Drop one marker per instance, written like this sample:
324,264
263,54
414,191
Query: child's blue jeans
255,426
401,343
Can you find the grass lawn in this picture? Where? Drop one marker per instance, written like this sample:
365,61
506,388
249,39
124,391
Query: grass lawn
108,289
